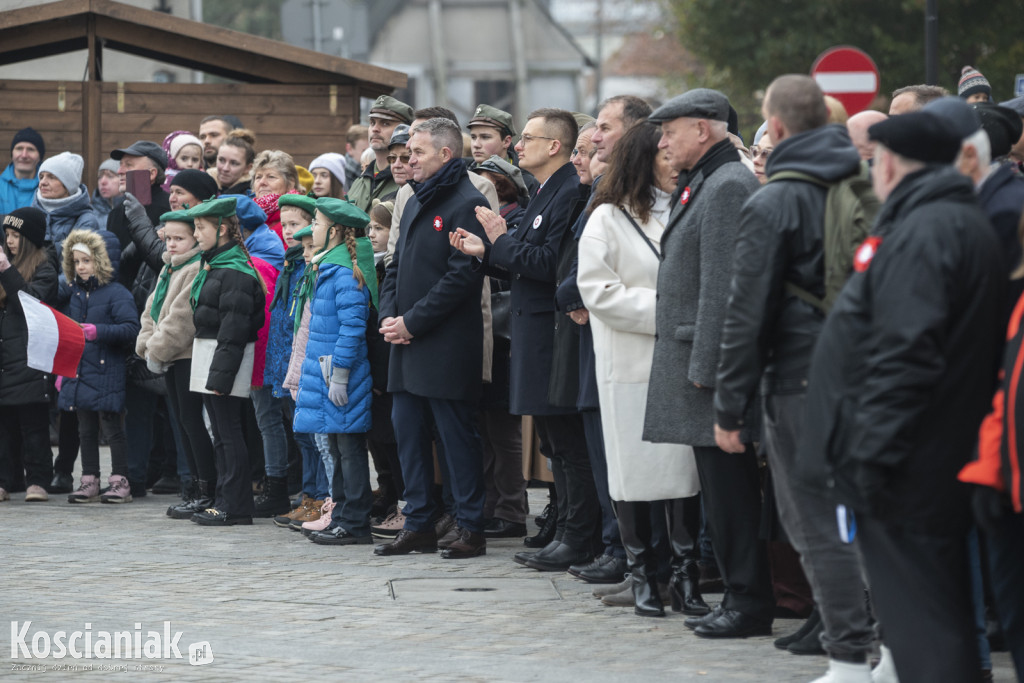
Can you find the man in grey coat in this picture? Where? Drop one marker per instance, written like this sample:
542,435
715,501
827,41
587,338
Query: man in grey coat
693,288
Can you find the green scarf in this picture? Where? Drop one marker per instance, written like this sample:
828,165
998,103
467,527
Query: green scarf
160,293
292,257
338,256
234,258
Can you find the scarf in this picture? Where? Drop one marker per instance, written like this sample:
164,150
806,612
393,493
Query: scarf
51,205
160,293
448,175
337,256
231,256
292,258
718,155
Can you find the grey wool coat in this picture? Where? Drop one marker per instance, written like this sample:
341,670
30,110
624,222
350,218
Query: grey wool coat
693,289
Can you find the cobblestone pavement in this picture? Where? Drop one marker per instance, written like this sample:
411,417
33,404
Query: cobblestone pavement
274,606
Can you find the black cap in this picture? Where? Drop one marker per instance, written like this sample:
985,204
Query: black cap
920,135
956,111
400,136
143,148
30,222
1003,125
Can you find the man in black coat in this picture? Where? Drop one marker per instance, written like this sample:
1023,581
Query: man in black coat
528,257
901,377
430,313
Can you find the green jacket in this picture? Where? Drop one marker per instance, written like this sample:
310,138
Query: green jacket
371,185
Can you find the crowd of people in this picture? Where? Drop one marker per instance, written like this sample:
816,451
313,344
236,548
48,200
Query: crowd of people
790,369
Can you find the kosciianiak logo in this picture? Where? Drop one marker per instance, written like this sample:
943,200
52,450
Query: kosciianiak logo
85,643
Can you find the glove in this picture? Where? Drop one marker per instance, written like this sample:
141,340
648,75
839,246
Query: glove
337,391
135,212
155,367
988,506
60,380
90,331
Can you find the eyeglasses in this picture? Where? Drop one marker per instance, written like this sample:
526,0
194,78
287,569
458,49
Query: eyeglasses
392,158
765,152
527,138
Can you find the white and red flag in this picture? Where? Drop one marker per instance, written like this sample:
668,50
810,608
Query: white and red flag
55,341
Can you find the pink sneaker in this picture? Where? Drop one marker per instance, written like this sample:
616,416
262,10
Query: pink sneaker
36,494
88,492
323,522
118,492
4,496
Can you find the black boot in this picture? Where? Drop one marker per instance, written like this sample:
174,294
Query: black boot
546,534
635,530
684,586
201,500
812,625
191,493
273,501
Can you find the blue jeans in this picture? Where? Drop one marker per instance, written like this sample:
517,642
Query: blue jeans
1006,566
463,459
271,424
350,487
314,477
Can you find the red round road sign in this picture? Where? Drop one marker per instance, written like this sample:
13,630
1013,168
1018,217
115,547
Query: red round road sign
848,75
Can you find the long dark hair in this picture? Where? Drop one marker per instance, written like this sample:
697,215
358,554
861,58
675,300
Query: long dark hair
629,181
26,261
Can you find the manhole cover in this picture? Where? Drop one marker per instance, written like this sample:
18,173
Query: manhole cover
473,590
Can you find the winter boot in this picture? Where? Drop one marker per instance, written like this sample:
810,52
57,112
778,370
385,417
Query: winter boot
273,501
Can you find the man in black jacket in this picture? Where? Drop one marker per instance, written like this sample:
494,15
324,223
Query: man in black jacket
768,337
901,377
430,313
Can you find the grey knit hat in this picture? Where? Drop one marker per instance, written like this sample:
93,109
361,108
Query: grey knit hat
67,168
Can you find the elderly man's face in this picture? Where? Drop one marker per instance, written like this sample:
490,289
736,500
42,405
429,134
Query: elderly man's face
26,159
903,104
680,138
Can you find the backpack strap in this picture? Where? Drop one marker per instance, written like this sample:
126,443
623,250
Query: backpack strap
791,289
804,295
797,175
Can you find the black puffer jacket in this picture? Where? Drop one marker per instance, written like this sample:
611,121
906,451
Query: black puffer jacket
132,259
20,384
230,310
906,364
766,331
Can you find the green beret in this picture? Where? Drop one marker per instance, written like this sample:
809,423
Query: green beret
304,232
342,212
181,216
486,115
307,204
214,208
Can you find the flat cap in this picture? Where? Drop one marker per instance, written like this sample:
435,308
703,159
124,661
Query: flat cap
956,111
214,208
699,103
301,201
342,212
400,136
496,164
920,135
486,115
143,148
1016,104
1003,125
387,107
582,119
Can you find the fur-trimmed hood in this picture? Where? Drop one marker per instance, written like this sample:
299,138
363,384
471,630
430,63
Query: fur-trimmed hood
94,242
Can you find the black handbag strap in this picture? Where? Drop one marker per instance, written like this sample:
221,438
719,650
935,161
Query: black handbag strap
642,233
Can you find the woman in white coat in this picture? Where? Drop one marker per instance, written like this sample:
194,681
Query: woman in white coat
619,255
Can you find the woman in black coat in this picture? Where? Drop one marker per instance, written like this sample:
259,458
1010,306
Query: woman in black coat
24,393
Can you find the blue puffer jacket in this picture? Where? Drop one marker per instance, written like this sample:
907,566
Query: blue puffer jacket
74,215
337,329
109,306
260,241
16,192
282,323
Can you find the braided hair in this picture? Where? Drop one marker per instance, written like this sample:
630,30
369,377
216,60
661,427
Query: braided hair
350,242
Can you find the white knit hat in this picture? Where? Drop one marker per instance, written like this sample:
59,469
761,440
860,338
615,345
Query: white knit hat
333,162
67,168
180,141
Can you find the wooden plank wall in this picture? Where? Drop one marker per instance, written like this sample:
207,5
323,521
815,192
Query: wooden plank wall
296,118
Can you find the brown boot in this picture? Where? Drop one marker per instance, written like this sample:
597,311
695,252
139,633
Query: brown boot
409,542
468,544
304,507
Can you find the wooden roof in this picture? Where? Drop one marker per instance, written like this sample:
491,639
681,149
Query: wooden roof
69,25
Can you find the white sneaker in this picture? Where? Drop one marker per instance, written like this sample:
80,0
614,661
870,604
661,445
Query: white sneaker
845,672
885,672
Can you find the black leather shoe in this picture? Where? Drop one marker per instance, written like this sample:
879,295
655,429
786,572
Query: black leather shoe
524,556
409,542
215,517
809,643
811,624
338,535
604,569
62,483
501,528
166,484
468,544
559,559
732,624
694,622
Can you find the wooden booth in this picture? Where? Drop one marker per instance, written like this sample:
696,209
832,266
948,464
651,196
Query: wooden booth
294,99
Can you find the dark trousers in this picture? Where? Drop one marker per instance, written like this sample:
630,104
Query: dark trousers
138,430
1006,566
731,489
578,509
350,485
90,422
234,485
921,594
463,459
28,424
503,465
188,407
595,451
67,442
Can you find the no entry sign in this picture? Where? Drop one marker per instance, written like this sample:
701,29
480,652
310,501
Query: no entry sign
848,75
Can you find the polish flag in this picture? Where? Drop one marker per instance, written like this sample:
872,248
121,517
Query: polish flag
55,341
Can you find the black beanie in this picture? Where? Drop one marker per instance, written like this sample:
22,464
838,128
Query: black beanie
28,221
31,136
200,183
